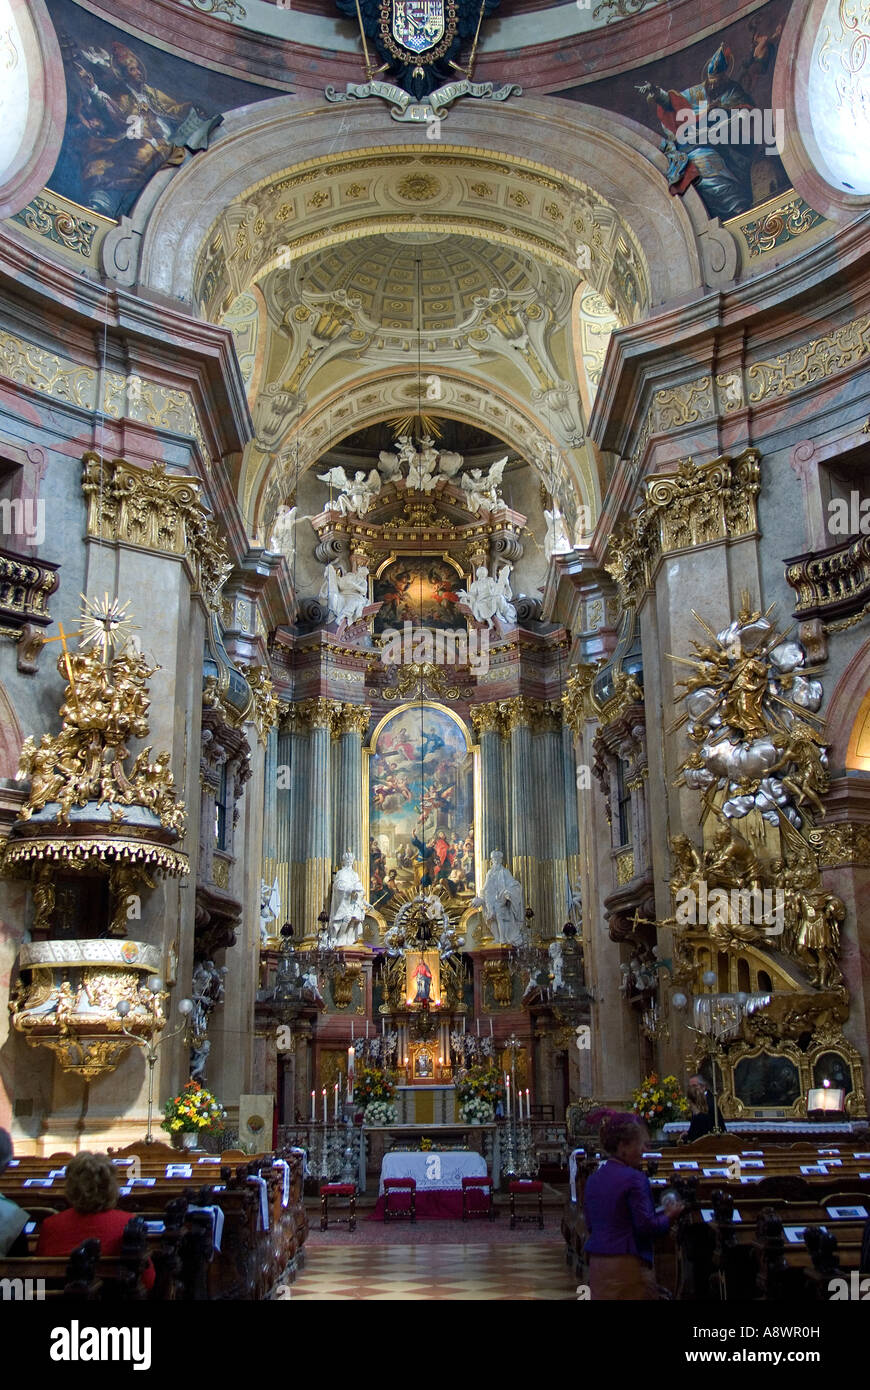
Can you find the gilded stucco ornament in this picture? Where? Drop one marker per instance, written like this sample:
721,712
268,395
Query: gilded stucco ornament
750,713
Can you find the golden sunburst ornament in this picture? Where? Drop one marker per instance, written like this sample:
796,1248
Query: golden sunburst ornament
105,623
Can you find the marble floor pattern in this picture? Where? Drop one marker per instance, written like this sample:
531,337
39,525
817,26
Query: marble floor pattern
530,1271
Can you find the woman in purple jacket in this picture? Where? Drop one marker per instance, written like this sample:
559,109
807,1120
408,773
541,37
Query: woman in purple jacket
620,1215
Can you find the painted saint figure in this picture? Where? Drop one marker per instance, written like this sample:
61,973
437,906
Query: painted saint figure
422,977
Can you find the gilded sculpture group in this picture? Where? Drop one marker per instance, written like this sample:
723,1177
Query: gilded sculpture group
105,704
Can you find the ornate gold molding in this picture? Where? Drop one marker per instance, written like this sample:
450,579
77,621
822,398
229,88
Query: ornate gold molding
626,692
770,227
155,510
696,505
48,372
315,713
842,844
812,361
624,868
578,701
59,224
265,702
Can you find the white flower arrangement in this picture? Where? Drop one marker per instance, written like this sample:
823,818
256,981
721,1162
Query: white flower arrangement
380,1112
476,1111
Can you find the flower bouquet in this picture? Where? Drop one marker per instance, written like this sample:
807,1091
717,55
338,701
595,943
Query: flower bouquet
370,1084
476,1111
658,1101
194,1111
380,1112
478,1092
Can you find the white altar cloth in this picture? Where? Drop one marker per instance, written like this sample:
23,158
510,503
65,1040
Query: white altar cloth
444,1176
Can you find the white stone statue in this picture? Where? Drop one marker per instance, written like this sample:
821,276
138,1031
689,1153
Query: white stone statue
421,467
554,951
502,903
481,490
281,541
355,494
345,595
490,600
556,539
348,907
270,906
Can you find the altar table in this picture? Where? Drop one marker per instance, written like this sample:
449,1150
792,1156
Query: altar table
439,1185
452,1166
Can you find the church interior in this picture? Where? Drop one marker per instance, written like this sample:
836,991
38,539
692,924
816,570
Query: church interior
434,650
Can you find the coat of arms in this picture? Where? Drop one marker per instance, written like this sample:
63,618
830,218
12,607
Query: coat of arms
419,44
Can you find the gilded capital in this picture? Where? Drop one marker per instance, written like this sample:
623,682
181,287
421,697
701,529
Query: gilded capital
487,719
348,718
317,713
158,511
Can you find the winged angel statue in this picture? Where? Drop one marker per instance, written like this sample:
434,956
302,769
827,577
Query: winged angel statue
355,494
481,489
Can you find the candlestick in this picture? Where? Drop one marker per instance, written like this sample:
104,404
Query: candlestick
313,1115
323,1093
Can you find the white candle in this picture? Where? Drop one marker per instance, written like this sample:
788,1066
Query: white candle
323,1093
367,1030
313,1116
478,1027
463,1025
528,1108
335,1088
490,1027
383,1027
507,1087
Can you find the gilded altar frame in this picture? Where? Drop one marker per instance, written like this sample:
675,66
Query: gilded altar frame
470,747
727,1061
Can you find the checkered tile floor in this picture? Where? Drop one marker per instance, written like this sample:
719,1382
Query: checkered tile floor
408,1273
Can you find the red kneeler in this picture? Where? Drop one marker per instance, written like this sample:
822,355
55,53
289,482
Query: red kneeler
479,1189
337,1189
526,1186
399,1211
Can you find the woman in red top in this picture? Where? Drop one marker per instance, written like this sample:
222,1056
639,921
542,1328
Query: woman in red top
92,1191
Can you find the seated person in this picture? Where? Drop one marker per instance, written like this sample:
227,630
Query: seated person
92,1191
13,1241
703,1109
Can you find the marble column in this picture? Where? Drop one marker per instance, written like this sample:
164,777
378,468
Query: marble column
294,752
351,725
550,906
315,815
488,725
519,713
